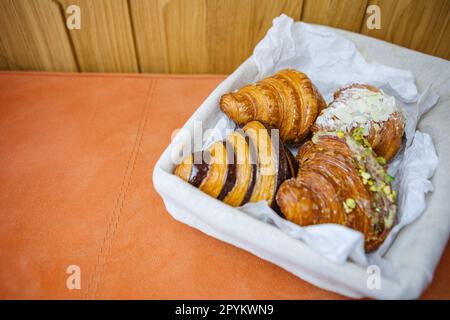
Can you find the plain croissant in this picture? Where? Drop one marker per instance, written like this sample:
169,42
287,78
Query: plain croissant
287,101
341,181
367,107
247,167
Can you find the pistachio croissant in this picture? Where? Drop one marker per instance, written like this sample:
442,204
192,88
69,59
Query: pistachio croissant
248,166
340,181
369,108
287,101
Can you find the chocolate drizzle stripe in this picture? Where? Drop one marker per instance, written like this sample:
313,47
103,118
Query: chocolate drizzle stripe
230,180
286,171
283,167
199,171
254,163
293,165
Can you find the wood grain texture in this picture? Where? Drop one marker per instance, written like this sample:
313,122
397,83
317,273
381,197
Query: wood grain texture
421,25
192,36
171,35
442,48
199,36
105,41
185,24
148,26
33,37
343,14
235,27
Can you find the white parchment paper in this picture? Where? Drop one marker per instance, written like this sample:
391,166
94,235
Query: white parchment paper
332,61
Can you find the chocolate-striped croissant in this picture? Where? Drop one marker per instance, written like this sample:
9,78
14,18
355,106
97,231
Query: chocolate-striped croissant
367,107
340,181
287,100
248,166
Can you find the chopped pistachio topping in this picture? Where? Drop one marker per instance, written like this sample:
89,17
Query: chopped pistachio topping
389,178
350,203
381,160
365,175
373,175
346,208
370,169
367,144
358,133
392,196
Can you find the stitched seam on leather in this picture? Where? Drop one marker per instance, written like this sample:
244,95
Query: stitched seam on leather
105,248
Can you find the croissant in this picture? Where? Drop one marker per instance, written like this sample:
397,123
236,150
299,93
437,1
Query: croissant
287,101
367,107
248,166
340,181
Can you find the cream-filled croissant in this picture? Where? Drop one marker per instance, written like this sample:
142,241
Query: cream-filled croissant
249,166
287,101
369,108
340,180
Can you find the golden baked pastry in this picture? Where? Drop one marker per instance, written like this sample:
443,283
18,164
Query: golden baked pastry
248,166
287,100
341,181
367,107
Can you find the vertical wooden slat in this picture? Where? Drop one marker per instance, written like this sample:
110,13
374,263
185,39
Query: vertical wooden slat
105,41
148,26
170,35
442,48
186,36
343,14
33,37
235,27
417,24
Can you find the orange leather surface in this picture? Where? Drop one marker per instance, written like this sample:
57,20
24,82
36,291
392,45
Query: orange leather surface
76,158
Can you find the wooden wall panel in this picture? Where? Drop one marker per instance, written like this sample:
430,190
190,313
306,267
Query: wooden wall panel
148,25
442,48
235,27
202,36
192,36
33,37
185,25
105,41
421,25
168,34
343,14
